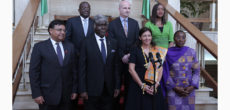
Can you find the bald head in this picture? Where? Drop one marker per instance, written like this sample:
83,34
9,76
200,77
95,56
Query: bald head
124,8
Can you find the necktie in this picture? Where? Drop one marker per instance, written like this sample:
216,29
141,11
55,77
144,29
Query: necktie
85,26
125,27
59,54
103,50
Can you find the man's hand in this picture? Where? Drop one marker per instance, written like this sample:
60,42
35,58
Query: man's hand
73,96
116,93
125,58
39,100
84,95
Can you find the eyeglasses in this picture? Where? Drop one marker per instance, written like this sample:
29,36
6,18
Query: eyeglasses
59,30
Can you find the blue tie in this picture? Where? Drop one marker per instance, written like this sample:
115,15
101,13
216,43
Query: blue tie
59,54
103,50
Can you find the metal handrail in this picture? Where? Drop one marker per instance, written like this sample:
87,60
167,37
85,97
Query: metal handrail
19,66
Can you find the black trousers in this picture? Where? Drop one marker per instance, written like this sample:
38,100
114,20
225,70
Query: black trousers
125,78
103,102
64,105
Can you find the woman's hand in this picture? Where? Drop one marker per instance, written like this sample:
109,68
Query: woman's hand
148,89
181,91
189,89
156,86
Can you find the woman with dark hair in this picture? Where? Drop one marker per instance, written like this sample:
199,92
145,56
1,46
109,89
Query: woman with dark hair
162,30
182,72
141,94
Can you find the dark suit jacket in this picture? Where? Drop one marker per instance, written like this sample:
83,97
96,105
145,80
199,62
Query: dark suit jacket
116,31
75,31
94,74
47,77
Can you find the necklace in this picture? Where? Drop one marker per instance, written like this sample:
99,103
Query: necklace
146,62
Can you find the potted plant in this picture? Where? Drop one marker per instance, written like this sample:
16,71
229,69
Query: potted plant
193,9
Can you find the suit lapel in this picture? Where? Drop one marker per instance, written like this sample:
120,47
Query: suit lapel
94,42
90,25
121,27
52,52
108,44
66,52
129,27
81,26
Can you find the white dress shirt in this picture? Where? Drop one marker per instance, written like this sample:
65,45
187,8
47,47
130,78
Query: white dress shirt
87,23
122,22
55,47
99,42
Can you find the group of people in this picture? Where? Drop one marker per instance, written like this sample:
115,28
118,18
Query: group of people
92,59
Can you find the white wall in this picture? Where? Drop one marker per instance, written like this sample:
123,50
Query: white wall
176,5
105,7
19,8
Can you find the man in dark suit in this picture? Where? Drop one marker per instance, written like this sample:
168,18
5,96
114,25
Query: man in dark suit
78,28
99,77
52,70
125,30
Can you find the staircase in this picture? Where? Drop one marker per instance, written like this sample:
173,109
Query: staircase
203,100
24,101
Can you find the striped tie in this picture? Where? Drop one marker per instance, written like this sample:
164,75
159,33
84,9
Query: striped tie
125,27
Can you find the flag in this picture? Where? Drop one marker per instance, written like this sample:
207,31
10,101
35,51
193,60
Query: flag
44,7
146,8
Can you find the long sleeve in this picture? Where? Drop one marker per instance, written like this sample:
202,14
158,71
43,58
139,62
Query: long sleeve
68,30
117,71
74,70
170,32
82,69
196,72
167,76
34,72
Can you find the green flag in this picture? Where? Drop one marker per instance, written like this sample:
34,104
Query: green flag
44,7
146,8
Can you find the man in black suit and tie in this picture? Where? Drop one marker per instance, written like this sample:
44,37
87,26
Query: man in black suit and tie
52,70
99,77
78,28
125,30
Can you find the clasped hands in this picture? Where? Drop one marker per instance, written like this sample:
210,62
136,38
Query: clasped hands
149,89
183,91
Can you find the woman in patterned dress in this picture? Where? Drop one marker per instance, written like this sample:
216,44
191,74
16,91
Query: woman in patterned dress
181,69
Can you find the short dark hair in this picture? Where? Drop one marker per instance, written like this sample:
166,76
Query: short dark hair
154,14
179,32
143,30
83,3
55,22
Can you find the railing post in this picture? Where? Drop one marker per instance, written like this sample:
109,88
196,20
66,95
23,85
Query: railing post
213,15
200,56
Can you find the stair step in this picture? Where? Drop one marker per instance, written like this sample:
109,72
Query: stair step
25,106
203,92
42,29
203,103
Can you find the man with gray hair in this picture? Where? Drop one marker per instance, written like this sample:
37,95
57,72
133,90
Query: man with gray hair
99,77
